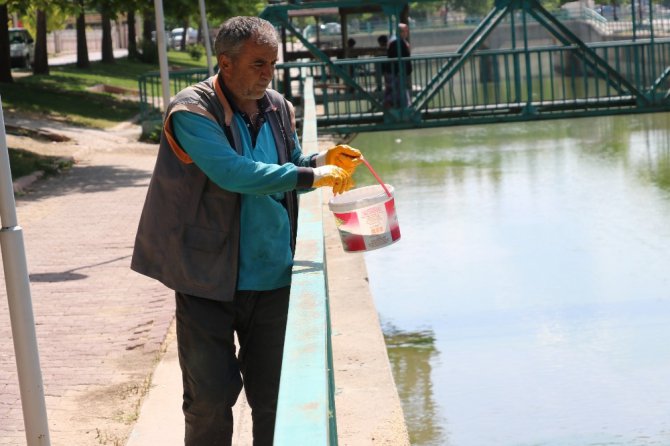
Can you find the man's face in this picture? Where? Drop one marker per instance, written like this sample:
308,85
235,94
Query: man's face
249,74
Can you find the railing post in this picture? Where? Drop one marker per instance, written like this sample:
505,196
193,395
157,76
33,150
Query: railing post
528,109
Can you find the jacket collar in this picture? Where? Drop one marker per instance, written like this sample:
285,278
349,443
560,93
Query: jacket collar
226,98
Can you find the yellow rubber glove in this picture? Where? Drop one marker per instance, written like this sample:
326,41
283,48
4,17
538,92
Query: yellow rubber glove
333,176
342,156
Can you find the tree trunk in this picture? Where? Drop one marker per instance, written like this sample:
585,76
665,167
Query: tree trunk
41,65
404,14
107,44
148,25
82,46
132,38
5,57
184,34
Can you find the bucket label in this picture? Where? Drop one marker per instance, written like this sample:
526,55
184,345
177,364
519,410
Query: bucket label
368,228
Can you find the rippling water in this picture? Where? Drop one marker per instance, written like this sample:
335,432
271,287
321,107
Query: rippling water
528,301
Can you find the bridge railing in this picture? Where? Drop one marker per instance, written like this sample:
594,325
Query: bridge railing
151,95
557,79
489,85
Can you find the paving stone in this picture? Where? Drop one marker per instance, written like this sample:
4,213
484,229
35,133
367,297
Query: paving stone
99,325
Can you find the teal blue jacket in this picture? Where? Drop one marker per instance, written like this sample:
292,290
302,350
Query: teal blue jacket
265,257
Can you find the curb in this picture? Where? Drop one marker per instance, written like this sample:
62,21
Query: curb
22,183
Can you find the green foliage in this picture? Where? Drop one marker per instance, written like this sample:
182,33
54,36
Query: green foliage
472,7
56,17
66,93
151,130
23,162
181,59
148,52
195,51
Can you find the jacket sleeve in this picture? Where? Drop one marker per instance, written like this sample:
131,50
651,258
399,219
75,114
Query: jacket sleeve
207,145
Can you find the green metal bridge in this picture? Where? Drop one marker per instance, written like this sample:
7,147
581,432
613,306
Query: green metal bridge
506,70
520,63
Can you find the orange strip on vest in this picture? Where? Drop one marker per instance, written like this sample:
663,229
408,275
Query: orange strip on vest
174,145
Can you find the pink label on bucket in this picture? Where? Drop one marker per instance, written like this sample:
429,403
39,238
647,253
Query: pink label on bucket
369,227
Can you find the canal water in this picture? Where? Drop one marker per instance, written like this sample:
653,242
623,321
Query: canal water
528,300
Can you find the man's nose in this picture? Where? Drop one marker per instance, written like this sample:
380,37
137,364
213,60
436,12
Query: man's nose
268,71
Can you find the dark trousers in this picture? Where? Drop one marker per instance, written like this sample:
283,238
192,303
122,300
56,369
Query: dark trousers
212,373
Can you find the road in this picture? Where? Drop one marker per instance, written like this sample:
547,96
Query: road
64,59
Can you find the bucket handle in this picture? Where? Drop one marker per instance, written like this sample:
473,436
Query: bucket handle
372,171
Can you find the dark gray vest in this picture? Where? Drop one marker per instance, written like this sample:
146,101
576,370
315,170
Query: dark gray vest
189,230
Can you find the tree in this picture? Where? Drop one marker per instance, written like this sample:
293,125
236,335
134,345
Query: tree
41,65
132,38
472,7
41,17
5,56
106,11
82,46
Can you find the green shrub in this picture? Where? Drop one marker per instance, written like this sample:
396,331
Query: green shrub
149,52
196,51
23,162
151,129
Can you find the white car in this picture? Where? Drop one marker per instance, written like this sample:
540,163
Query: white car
177,33
21,48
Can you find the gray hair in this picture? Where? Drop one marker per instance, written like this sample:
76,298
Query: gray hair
237,30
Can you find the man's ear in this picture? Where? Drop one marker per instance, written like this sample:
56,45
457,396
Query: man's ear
224,62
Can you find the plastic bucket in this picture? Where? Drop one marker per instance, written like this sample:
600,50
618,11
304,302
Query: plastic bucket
366,218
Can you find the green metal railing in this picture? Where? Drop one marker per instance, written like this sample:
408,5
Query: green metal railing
492,77
306,406
491,85
151,98
501,72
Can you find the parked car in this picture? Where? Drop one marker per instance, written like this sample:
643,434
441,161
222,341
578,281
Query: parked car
325,29
332,28
177,34
309,32
167,38
21,48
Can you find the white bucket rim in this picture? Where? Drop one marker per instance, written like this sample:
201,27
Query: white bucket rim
359,198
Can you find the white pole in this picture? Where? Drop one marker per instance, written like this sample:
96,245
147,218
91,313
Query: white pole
208,43
162,52
20,306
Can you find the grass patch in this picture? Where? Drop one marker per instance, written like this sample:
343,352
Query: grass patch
23,163
63,94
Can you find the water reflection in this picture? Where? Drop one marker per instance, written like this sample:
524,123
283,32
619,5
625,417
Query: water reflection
640,143
538,255
410,355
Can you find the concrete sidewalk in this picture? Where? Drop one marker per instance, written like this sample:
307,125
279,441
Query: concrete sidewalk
161,421
359,355
101,327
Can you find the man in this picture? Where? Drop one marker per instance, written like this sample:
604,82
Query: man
398,92
381,69
219,227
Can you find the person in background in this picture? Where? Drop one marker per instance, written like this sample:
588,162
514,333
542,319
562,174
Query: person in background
219,228
351,43
381,69
399,87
